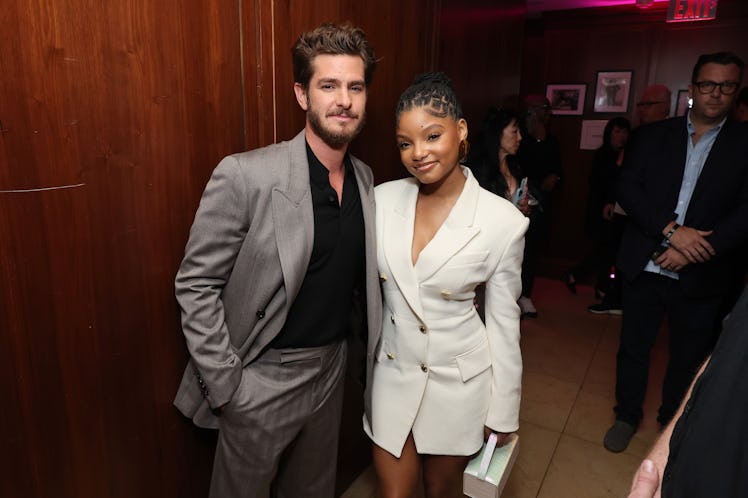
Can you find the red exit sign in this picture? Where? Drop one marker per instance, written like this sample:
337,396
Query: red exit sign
692,10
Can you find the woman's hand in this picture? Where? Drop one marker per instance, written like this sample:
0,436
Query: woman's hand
501,437
524,206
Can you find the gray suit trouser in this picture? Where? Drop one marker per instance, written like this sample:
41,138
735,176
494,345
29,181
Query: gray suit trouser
282,426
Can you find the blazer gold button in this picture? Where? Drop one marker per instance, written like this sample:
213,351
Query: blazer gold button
390,356
382,277
261,314
424,368
422,328
392,319
446,293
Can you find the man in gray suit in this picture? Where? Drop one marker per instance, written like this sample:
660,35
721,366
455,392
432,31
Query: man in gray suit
281,251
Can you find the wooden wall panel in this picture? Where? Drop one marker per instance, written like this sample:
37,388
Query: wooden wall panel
112,116
480,48
571,46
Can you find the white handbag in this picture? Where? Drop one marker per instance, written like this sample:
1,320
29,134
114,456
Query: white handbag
486,475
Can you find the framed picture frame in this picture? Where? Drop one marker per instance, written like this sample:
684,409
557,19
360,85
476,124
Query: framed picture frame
682,105
612,91
567,99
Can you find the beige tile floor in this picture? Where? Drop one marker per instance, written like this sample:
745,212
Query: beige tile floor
567,400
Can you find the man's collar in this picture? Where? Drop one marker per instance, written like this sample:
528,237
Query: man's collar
318,173
692,129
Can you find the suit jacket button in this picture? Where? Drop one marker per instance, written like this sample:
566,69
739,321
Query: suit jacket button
392,319
382,277
446,293
261,314
390,356
424,368
422,328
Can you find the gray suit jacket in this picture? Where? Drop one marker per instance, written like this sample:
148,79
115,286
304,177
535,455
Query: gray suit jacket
247,254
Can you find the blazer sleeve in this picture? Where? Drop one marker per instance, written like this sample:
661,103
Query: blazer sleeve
217,233
502,327
731,230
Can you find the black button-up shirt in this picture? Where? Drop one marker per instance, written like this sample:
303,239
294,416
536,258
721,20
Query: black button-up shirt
321,312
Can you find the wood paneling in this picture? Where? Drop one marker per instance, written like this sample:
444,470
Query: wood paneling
113,115
480,47
570,47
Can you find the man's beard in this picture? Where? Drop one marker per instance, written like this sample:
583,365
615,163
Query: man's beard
333,138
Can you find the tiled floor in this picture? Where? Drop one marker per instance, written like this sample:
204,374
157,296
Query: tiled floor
567,400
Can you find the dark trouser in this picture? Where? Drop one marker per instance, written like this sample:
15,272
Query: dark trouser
603,257
609,246
536,234
282,426
646,300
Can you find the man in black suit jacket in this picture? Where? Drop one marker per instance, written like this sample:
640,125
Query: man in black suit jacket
684,186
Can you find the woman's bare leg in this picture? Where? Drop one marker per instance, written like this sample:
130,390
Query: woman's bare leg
398,477
442,475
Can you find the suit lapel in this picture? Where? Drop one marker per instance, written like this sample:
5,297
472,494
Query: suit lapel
373,296
711,173
397,227
293,218
454,234
451,237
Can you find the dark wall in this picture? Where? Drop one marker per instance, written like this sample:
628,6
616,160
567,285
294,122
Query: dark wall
571,46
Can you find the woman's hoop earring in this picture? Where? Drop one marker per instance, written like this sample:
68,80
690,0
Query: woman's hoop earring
464,150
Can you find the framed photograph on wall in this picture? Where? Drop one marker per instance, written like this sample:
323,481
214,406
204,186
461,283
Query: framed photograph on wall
612,91
683,104
567,99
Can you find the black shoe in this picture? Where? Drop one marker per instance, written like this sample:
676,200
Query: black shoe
619,436
571,283
605,309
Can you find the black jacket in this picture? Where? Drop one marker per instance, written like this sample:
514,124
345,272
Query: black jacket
648,188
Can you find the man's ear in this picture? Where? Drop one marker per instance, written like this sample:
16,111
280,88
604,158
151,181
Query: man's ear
301,96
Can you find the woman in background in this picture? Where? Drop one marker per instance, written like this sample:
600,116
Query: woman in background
442,380
494,163
602,224
493,159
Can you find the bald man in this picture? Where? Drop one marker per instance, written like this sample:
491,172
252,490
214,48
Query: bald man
654,104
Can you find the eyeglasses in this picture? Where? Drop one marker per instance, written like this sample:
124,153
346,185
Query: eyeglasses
726,87
647,104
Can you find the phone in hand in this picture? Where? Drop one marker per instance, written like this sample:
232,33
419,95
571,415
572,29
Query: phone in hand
521,192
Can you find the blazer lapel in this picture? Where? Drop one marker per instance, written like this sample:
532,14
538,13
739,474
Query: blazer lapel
397,227
712,174
293,218
454,234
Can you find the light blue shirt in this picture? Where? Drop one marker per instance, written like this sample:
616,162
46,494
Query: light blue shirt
696,155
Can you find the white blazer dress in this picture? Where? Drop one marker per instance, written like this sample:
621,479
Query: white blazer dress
439,372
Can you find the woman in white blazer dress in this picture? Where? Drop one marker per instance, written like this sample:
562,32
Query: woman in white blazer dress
441,378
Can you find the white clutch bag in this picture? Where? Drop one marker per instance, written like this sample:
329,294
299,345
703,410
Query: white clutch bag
486,475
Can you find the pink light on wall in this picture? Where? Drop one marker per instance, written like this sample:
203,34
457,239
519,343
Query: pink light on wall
536,6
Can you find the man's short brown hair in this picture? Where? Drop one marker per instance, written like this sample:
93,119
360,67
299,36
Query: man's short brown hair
331,39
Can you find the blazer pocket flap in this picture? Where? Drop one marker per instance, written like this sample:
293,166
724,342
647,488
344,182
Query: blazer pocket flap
474,362
468,258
